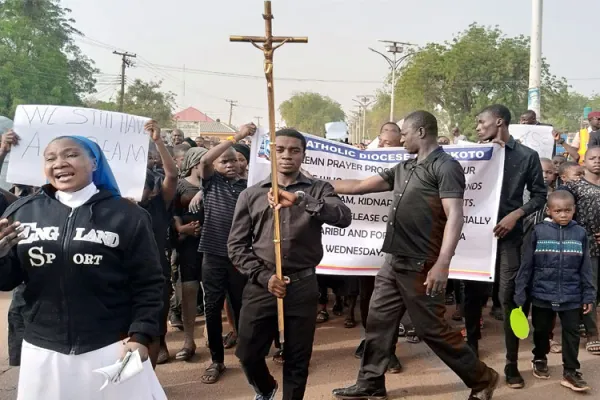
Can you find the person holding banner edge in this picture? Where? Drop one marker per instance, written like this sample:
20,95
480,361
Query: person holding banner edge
389,137
522,169
306,204
420,245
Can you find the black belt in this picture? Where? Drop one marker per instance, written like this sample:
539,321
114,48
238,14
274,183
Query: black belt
295,277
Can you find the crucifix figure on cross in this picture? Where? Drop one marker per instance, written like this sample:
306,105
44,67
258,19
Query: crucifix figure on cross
268,49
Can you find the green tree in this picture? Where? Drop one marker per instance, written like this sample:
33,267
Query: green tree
39,61
479,67
144,99
309,112
565,110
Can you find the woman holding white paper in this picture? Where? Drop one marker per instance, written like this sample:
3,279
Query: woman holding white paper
93,280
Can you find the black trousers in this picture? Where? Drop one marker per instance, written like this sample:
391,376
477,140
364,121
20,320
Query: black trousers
395,287
220,279
258,324
508,261
366,288
542,319
16,325
590,320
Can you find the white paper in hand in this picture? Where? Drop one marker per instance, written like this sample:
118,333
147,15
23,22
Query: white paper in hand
115,374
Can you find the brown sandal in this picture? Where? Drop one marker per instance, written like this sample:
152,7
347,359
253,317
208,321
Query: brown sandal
186,353
213,373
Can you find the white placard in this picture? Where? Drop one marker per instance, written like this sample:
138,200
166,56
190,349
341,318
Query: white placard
120,136
336,130
536,137
357,249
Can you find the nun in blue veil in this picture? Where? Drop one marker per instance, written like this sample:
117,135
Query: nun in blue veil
93,279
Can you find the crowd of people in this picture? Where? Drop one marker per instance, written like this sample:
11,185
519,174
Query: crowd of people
95,275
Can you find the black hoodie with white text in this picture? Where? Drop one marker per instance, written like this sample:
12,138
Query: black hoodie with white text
92,273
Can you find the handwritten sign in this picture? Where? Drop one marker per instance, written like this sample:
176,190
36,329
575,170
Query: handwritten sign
120,136
536,137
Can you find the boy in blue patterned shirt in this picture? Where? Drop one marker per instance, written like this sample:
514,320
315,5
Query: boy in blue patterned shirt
556,274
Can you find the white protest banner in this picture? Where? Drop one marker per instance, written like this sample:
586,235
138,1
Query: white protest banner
536,137
121,137
357,249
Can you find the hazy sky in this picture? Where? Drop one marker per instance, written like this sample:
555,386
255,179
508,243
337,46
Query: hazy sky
195,33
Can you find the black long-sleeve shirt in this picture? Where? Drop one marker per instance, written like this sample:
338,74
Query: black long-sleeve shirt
522,169
250,242
594,139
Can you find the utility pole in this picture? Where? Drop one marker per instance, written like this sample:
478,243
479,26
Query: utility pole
232,103
364,101
395,48
356,125
535,61
258,121
125,62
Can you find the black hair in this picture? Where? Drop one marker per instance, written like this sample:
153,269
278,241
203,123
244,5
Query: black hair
243,150
529,114
293,133
565,166
592,148
560,195
498,111
423,119
190,141
391,123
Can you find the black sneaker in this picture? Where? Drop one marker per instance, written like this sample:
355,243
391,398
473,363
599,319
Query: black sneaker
514,380
360,350
574,381
540,369
394,366
488,392
355,392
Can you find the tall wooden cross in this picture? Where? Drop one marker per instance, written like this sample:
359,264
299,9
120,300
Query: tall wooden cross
268,49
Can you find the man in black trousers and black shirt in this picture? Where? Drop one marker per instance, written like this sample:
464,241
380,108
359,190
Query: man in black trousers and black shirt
522,169
305,205
425,222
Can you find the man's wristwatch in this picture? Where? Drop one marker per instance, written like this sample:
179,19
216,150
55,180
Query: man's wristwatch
561,141
300,195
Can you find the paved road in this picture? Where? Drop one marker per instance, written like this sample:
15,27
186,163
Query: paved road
333,365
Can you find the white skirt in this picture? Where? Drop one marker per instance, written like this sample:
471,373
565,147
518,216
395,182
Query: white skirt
48,375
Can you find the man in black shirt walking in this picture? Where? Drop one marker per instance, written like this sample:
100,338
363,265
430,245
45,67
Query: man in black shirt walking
306,204
522,169
423,229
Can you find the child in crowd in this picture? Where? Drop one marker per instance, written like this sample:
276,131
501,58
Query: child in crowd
556,273
586,191
569,171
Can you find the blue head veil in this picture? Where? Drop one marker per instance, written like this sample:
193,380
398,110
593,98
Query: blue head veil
103,176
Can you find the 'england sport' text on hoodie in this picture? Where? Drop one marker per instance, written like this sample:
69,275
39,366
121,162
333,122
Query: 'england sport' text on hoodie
92,274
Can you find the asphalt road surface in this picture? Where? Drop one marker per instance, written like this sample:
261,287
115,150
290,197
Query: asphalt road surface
333,365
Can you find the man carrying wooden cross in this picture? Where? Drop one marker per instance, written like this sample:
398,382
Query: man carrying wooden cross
305,205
